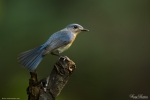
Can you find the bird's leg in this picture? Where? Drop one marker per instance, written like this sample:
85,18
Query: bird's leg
56,53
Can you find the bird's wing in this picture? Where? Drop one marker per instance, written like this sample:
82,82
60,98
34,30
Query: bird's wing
59,42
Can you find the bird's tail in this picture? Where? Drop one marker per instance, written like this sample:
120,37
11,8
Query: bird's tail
30,59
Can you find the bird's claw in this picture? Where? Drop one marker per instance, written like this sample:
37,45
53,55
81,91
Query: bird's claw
64,58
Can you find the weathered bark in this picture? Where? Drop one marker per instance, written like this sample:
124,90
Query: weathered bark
50,87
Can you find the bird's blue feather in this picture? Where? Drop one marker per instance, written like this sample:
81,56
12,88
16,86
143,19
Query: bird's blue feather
31,58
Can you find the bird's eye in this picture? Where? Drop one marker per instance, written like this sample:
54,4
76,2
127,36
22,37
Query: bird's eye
75,26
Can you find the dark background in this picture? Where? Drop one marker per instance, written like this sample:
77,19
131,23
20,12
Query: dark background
113,58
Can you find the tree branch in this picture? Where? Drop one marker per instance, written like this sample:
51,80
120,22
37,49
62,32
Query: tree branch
49,88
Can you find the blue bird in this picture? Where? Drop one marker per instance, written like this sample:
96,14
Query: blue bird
56,44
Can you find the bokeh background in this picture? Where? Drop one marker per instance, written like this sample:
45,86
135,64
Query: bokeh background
113,58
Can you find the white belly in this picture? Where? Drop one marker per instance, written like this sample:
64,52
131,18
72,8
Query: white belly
62,49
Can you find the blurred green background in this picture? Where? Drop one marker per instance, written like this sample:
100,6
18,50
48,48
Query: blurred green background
113,58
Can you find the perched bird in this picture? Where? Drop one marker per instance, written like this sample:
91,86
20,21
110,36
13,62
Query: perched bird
56,44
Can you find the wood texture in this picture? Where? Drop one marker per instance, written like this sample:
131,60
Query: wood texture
49,88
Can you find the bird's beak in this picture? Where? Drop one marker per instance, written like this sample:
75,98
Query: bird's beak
84,30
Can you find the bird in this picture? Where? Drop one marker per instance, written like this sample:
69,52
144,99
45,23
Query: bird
56,44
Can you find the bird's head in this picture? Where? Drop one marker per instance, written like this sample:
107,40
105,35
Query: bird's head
76,28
